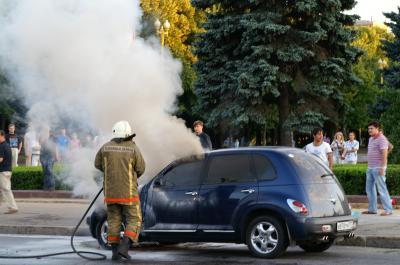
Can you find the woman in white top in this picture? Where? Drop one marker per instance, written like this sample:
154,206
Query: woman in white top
350,151
338,148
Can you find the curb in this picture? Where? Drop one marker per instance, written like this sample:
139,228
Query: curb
57,194
357,241
52,200
44,230
371,241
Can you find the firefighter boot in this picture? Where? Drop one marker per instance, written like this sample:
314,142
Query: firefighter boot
115,255
124,247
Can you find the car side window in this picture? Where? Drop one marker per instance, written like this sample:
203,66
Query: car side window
264,168
184,174
230,169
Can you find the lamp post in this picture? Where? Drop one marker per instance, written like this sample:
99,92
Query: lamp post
162,30
382,65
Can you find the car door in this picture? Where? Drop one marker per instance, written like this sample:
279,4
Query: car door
230,183
174,198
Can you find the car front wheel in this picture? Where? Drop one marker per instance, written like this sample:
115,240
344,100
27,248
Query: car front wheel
266,237
316,246
102,233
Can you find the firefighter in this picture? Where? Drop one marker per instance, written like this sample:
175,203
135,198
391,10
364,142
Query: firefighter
122,164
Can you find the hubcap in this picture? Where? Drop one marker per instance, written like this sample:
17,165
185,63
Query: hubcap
264,237
104,232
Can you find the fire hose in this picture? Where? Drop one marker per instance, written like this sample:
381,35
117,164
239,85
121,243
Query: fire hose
81,254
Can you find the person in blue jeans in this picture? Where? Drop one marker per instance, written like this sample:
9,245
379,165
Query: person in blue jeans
377,155
48,156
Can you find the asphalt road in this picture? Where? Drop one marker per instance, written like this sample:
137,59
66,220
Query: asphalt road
190,254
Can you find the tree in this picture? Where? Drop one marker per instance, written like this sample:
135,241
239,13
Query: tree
294,54
392,49
184,20
391,117
360,99
11,108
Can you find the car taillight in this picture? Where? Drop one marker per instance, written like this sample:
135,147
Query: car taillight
297,206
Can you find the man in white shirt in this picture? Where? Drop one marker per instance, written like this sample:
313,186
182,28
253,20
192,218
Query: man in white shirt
350,149
319,148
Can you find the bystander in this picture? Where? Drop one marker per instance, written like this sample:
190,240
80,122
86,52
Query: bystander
15,143
48,156
203,137
5,175
337,147
351,147
320,148
378,147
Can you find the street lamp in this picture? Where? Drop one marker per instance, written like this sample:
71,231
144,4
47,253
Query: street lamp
382,65
162,30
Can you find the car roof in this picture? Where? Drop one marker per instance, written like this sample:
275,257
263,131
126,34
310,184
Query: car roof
274,149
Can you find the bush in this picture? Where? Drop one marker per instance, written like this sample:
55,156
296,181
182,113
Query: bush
31,178
352,178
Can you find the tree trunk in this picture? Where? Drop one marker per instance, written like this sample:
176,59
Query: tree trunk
264,135
284,110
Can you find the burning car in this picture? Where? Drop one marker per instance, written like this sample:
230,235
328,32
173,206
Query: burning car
265,197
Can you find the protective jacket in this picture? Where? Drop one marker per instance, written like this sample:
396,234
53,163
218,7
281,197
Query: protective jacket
122,164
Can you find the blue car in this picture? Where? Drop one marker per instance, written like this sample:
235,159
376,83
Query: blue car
265,197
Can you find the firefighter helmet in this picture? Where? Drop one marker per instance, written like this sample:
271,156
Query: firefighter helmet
121,129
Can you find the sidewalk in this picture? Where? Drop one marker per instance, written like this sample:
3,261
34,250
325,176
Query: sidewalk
58,216
42,216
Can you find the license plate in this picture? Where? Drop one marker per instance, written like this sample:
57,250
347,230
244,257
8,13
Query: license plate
343,226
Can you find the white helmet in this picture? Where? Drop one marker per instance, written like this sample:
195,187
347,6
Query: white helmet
121,129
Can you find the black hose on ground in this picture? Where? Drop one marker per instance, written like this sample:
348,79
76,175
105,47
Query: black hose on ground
79,253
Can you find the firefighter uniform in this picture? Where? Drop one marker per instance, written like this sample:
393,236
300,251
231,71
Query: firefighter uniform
122,164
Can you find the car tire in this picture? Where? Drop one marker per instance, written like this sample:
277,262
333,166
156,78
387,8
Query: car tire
101,234
316,246
266,237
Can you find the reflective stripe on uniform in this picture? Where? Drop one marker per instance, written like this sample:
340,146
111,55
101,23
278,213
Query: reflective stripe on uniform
130,178
130,233
116,200
105,175
113,238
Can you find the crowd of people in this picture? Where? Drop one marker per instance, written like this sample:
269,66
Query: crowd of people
341,151
47,148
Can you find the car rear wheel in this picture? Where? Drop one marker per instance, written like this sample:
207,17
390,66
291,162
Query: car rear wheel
314,246
266,238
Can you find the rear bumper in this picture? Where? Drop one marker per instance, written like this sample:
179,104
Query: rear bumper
310,228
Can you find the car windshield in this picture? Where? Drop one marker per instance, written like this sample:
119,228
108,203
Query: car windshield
310,168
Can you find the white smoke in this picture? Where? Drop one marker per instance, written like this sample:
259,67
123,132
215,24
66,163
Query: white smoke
80,59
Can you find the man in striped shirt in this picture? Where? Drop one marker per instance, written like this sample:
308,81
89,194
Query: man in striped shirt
377,161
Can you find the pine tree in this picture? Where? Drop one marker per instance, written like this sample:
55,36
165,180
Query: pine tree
391,117
295,54
392,48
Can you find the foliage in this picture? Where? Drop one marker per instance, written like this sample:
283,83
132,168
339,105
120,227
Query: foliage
11,109
361,99
352,178
184,20
293,54
31,178
391,117
392,49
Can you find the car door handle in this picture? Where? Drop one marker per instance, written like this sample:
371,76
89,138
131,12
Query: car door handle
248,191
193,193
